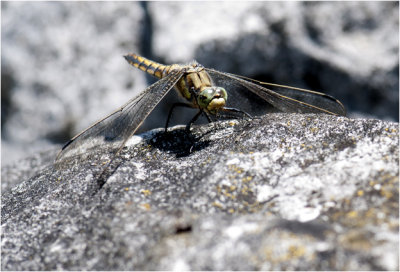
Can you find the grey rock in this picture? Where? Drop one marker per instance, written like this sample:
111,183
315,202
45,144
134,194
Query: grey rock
283,192
62,65
65,66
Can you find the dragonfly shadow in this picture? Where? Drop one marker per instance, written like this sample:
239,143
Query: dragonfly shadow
180,142
106,172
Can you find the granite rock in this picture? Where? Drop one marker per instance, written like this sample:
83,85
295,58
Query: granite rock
283,192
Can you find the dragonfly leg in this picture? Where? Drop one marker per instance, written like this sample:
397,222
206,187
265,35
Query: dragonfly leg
237,111
194,93
179,104
208,117
194,120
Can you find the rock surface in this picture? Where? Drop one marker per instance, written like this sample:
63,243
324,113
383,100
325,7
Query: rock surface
62,65
284,192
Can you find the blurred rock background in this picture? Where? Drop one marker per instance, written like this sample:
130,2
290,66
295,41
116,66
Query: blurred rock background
62,66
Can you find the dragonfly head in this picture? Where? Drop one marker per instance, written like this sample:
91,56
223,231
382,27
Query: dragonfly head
212,99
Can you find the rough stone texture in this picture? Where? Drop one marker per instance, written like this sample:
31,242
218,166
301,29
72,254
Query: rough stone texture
284,192
62,65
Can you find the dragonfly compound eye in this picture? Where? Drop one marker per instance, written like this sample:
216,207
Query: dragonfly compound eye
212,99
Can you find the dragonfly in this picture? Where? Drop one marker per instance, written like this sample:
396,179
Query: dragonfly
213,93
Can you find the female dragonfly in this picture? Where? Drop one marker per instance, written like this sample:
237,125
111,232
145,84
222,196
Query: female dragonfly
212,92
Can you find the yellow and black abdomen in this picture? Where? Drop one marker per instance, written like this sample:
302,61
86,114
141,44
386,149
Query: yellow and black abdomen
151,67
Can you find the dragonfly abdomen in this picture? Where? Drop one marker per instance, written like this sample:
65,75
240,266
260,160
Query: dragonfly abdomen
151,67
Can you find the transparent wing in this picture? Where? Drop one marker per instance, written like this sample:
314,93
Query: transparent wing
253,96
116,128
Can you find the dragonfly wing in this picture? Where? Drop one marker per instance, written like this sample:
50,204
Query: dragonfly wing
283,98
116,128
